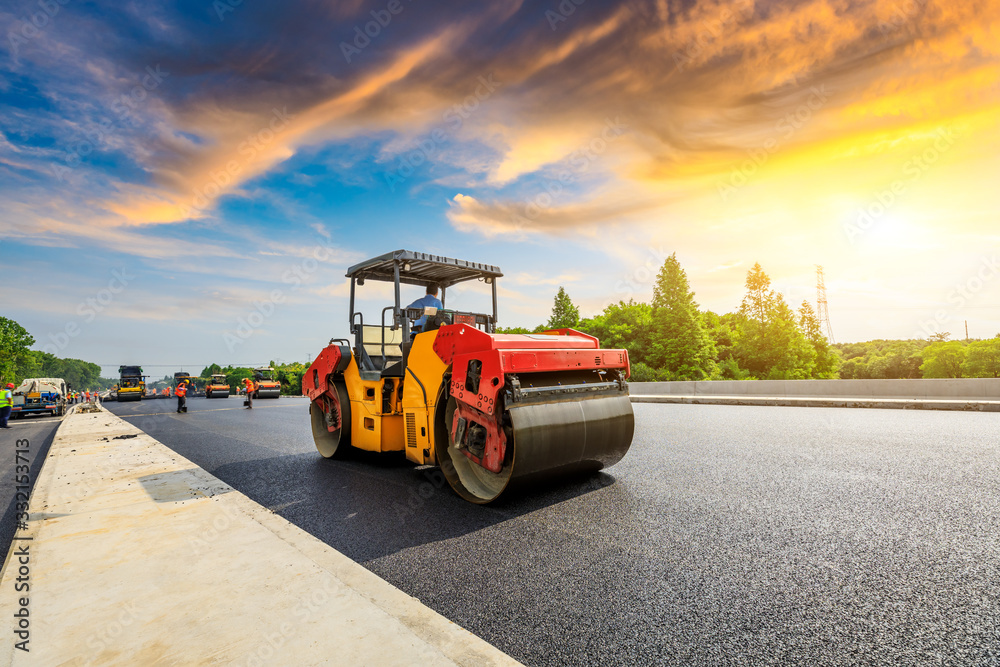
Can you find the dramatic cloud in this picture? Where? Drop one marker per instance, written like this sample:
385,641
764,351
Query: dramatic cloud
857,133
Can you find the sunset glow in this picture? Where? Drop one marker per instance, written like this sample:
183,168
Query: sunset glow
210,153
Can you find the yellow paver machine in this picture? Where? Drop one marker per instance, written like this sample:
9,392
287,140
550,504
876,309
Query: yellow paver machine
490,409
132,383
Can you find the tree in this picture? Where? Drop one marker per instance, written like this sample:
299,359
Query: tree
77,373
564,314
210,370
15,353
939,337
769,342
235,376
897,359
624,325
290,377
852,369
513,330
680,345
826,360
982,359
943,360
760,299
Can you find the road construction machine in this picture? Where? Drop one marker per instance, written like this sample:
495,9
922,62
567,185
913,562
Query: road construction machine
492,410
217,387
264,383
40,396
131,383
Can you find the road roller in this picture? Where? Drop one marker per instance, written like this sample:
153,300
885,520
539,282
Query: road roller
264,383
492,410
217,386
132,383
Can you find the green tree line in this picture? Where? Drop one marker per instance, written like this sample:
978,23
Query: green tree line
670,338
18,361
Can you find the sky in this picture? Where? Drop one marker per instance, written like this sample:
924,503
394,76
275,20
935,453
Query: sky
184,183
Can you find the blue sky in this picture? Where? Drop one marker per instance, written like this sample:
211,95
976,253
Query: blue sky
207,151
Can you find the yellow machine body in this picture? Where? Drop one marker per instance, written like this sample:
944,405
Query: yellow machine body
390,414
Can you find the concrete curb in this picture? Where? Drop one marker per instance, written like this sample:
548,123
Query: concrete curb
812,402
138,556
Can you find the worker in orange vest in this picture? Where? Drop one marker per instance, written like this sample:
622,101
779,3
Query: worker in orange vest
249,385
181,394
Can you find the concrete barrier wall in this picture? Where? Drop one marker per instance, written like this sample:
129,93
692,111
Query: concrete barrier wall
971,388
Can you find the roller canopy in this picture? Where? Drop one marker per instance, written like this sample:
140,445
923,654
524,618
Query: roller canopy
424,269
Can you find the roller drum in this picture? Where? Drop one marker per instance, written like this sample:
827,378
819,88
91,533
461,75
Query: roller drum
268,393
549,439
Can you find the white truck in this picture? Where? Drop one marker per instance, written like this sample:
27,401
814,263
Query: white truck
40,395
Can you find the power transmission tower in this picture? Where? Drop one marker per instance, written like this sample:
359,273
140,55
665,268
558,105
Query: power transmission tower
822,309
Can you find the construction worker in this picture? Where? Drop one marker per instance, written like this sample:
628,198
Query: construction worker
181,394
249,385
6,404
428,300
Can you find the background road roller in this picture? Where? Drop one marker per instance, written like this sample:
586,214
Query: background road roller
264,384
131,384
490,409
217,387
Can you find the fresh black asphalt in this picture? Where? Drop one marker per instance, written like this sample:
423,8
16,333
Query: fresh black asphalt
34,435
727,535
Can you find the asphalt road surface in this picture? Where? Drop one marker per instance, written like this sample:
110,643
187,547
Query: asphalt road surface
38,431
727,535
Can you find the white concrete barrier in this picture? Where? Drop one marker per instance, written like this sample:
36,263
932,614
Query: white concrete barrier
977,389
976,394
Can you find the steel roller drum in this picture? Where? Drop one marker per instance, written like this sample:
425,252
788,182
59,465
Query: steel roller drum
549,439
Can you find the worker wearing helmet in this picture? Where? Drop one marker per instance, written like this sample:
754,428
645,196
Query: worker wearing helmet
429,300
181,394
6,404
249,385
